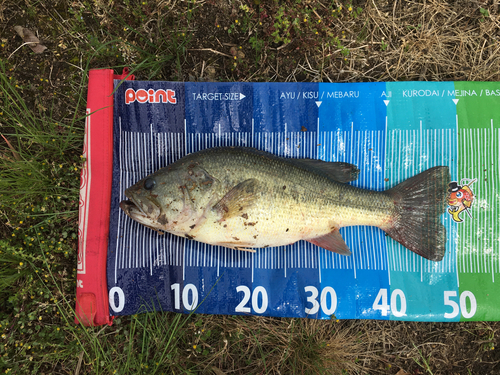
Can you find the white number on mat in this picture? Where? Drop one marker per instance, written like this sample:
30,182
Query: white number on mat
312,299
259,309
463,304
121,299
189,296
453,304
255,300
381,303
327,308
246,297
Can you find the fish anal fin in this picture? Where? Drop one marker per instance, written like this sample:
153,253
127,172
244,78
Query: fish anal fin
239,198
332,241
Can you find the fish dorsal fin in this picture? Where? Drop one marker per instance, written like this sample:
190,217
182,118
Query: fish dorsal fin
332,241
337,171
240,197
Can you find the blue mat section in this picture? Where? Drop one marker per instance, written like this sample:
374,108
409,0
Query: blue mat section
156,123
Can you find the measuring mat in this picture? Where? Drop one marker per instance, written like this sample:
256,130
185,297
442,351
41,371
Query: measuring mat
391,131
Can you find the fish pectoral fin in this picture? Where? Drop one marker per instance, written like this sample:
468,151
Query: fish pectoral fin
337,171
237,199
332,241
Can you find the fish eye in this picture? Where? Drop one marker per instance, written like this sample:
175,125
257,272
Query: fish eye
149,183
459,194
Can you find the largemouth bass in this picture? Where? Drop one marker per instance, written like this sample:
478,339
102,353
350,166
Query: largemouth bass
244,198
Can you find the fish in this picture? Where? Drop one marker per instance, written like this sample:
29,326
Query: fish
243,198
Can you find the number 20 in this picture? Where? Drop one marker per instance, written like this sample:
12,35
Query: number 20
247,293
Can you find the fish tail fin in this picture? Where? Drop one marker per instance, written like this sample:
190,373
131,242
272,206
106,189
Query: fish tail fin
419,203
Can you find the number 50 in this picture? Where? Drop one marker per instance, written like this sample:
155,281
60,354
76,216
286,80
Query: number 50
463,304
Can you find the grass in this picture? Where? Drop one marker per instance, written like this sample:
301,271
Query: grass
42,112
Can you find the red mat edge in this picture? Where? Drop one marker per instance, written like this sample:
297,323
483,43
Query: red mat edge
92,301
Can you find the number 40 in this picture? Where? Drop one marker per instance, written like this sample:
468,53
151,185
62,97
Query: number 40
381,303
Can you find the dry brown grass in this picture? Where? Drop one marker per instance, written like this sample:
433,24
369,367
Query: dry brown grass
254,345
389,41
433,40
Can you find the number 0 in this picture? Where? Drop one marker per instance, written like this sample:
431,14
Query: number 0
121,298
255,300
463,304
328,310
190,289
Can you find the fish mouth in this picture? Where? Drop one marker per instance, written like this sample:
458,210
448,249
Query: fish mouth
138,209
131,209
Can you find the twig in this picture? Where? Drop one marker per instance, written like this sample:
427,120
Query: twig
283,46
210,50
76,66
202,69
12,149
79,365
22,45
50,74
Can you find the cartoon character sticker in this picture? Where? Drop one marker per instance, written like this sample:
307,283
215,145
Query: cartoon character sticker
460,198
